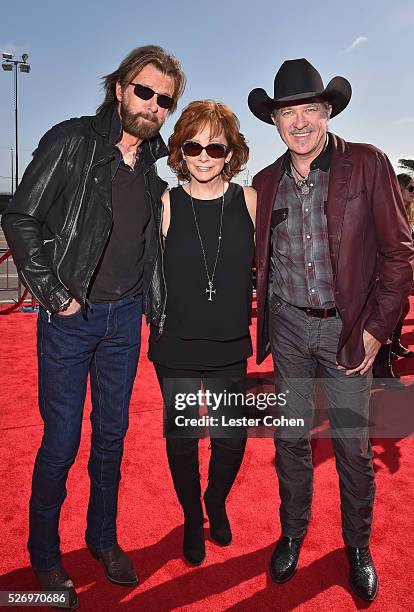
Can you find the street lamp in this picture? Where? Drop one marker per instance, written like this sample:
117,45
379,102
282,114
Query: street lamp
8,65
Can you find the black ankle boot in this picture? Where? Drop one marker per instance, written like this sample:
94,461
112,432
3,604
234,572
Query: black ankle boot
224,465
396,347
362,576
285,558
194,548
186,478
382,370
220,529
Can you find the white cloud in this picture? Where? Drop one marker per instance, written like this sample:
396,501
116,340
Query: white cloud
358,41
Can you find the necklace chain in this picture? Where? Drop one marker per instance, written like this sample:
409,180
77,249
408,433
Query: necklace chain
305,178
210,279
302,183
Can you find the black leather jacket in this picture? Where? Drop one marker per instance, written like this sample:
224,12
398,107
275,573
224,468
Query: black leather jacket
60,218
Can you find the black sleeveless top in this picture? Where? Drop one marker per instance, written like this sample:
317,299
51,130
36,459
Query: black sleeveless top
199,332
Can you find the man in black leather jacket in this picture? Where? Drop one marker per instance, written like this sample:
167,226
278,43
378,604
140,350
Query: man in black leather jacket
83,227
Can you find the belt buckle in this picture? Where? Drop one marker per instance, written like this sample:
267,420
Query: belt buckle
309,312
325,313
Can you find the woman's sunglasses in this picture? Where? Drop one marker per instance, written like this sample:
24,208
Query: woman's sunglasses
216,150
410,189
146,93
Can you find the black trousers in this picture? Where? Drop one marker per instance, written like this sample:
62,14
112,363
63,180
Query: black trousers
227,445
223,393
302,346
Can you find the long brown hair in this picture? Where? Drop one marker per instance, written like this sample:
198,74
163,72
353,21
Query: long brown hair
134,63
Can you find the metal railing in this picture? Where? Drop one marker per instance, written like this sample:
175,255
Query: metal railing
12,292
8,273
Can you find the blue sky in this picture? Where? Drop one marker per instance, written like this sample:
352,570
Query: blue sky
226,48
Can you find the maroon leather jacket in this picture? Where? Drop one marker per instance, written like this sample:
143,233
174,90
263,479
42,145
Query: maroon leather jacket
369,240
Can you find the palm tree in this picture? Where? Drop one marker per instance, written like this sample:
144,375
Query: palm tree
406,164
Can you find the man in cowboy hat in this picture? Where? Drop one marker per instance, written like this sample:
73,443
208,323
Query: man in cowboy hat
334,265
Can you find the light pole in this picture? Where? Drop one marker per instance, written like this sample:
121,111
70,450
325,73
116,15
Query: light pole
10,64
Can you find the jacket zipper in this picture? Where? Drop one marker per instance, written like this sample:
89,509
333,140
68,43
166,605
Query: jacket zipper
92,270
155,263
76,216
93,267
163,315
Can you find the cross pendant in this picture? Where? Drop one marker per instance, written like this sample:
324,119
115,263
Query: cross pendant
210,290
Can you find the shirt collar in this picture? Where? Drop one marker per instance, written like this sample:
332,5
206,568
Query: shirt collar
323,161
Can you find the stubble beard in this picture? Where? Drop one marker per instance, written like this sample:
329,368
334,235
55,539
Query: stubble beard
141,125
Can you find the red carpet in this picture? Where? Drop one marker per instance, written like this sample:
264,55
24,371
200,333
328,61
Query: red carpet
150,525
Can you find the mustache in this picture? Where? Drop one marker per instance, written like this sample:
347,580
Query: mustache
303,131
148,116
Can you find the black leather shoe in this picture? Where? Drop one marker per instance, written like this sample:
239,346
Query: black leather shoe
58,580
401,351
389,383
220,529
284,561
117,565
194,548
363,577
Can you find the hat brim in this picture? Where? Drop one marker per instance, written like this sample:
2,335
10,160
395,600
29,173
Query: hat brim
338,93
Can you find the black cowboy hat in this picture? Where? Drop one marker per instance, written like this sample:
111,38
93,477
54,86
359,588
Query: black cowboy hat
299,80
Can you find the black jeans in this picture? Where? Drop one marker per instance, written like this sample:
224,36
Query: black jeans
302,345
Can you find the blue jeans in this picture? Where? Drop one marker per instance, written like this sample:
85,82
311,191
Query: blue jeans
106,345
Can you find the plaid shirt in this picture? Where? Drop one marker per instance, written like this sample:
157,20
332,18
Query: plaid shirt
300,266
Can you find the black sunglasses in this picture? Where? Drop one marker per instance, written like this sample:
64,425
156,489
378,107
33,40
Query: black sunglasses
216,150
146,93
410,189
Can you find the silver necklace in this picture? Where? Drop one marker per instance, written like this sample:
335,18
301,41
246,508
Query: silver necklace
210,279
302,183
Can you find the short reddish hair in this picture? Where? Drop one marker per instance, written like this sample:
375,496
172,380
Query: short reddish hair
218,117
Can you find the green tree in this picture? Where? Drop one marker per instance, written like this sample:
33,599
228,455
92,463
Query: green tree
406,164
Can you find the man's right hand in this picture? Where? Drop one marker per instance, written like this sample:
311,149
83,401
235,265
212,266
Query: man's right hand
73,308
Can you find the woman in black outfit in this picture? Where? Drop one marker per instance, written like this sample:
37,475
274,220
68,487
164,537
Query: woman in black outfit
203,342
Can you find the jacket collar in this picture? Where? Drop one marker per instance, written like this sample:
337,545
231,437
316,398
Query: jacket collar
268,182
107,123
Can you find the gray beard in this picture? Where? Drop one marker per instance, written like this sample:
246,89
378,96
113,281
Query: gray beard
132,125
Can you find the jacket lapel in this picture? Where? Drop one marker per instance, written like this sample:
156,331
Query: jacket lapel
339,179
264,211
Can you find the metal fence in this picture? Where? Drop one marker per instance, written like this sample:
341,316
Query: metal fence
11,288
